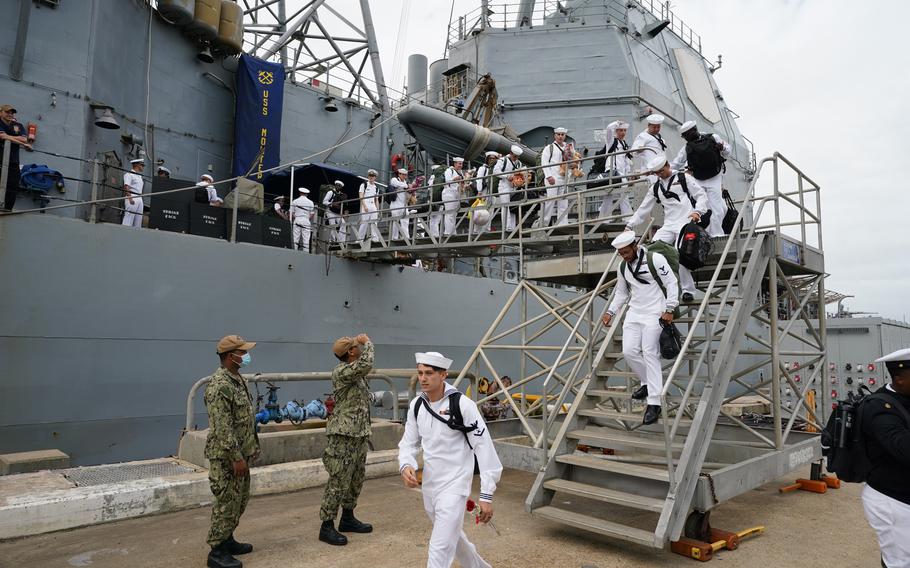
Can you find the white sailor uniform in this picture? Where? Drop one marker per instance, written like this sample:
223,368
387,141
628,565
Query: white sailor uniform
369,214
551,157
399,210
133,215
451,197
504,168
621,165
302,212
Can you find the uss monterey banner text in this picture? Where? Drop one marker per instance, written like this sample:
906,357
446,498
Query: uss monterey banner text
257,120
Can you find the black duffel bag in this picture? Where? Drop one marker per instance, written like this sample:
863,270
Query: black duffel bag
694,246
670,340
730,216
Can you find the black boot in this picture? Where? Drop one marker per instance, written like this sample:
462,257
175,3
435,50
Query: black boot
327,533
652,413
219,557
349,523
235,547
641,392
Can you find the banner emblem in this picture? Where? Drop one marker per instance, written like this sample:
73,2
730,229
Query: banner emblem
266,77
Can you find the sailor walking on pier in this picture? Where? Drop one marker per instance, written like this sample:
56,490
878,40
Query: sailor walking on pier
449,460
704,156
303,211
554,179
645,281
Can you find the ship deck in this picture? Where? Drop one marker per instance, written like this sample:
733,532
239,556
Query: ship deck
283,529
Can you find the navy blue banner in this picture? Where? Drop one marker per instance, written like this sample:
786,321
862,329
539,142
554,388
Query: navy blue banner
257,119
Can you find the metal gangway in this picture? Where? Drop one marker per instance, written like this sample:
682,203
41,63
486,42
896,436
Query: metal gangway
655,484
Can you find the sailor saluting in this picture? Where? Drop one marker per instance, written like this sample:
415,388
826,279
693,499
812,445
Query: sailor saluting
453,434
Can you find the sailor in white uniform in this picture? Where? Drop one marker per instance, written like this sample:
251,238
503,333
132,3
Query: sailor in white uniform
278,207
649,143
369,208
399,206
683,201
886,496
206,181
303,213
637,283
619,167
504,169
448,460
712,182
333,211
451,195
484,184
132,189
551,157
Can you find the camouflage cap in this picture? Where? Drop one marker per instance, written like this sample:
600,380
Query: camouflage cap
233,342
342,344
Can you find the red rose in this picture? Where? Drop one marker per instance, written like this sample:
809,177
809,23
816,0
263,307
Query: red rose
471,505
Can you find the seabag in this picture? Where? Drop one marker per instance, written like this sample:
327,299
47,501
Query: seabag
731,214
455,420
703,157
694,246
670,340
843,442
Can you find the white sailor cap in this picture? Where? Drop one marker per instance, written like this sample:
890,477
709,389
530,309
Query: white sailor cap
402,171
624,239
164,169
433,359
207,176
516,149
617,124
339,183
655,119
489,153
560,130
138,161
279,198
899,359
687,126
372,172
657,163
303,190
456,160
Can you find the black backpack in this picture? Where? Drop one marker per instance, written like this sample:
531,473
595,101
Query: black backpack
703,157
694,246
705,220
201,195
843,441
455,420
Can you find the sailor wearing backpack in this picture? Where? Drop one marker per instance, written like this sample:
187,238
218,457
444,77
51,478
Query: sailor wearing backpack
644,280
333,203
504,168
552,156
886,429
455,441
618,169
704,156
683,201
649,143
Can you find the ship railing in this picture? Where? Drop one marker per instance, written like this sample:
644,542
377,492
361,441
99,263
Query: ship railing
505,16
387,376
580,222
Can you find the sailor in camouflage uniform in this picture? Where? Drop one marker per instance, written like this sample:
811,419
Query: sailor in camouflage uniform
231,446
348,432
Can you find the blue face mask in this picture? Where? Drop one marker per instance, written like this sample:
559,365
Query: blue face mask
245,360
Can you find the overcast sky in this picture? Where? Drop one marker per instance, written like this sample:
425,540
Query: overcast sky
824,82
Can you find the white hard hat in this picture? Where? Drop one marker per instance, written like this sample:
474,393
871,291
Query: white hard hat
624,239
656,163
687,126
560,130
402,171
516,149
655,119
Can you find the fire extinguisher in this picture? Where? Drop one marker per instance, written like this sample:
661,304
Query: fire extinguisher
32,132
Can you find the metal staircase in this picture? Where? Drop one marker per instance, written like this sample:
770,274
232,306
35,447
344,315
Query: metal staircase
653,484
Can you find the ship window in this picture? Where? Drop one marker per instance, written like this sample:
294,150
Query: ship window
698,86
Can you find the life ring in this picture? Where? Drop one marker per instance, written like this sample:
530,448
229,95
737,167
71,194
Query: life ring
399,159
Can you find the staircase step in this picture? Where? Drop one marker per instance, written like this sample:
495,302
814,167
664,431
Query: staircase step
623,394
595,525
620,468
616,373
622,416
605,439
606,495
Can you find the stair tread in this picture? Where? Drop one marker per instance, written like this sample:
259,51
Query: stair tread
624,394
621,468
596,525
620,439
623,416
607,495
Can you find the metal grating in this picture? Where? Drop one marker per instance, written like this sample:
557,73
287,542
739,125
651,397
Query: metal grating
117,473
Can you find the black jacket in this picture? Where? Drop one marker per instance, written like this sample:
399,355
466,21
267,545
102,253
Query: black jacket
888,446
